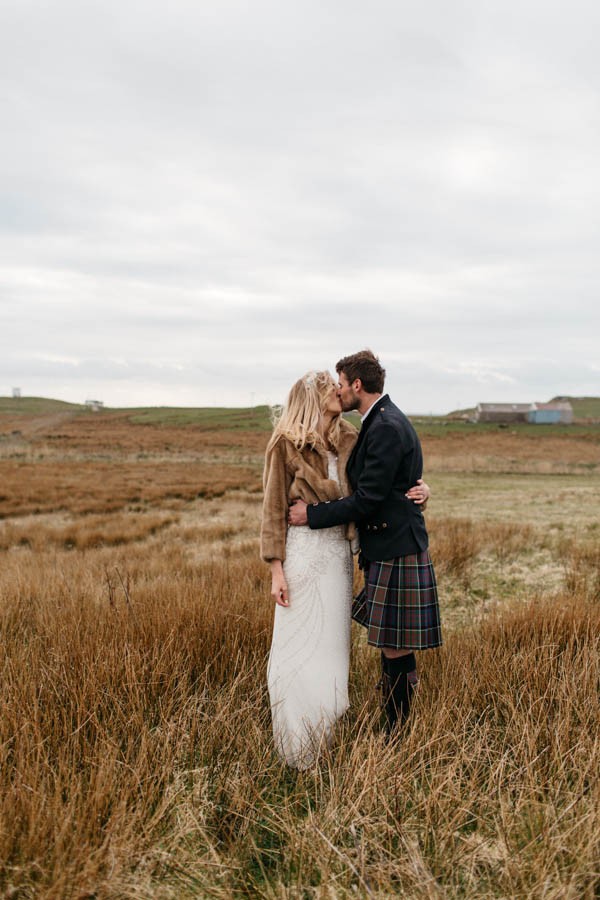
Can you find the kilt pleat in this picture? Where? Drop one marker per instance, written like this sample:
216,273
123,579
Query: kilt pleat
399,604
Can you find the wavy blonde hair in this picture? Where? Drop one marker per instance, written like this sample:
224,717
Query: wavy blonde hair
300,419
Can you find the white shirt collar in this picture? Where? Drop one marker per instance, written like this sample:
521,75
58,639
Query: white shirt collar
362,418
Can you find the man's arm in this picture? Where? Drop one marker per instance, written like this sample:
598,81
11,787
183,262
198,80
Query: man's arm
383,456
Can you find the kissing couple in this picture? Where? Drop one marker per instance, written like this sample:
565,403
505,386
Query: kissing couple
331,491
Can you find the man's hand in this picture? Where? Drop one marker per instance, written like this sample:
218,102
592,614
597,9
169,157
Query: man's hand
297,513
419,493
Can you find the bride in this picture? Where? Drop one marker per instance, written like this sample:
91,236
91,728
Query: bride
311,570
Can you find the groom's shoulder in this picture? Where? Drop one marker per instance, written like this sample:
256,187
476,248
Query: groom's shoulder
390,418
387,413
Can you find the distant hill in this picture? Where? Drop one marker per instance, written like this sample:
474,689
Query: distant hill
583,407
37,406
228,418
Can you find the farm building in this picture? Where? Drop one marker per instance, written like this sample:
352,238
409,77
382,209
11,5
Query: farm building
94,405
503,412
551,413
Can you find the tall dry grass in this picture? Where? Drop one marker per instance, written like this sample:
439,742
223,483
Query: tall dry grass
135,747
472,450
31,488
84,532
136,758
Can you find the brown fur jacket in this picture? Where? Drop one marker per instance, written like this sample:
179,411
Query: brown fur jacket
292,474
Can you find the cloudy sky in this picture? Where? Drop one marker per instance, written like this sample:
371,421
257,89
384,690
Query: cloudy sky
201,200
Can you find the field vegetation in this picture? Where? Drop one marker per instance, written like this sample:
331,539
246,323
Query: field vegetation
135,748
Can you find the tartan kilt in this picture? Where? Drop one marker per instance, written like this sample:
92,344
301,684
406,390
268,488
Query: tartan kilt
399,603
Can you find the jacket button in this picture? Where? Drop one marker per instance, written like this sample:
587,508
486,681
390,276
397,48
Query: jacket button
384,525
381,408
374,527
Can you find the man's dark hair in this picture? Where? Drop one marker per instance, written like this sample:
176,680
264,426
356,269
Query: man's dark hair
366,366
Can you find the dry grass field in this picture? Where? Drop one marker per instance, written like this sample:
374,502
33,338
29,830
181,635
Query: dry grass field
135,747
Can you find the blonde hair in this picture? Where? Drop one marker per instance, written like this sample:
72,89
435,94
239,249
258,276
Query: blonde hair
300,419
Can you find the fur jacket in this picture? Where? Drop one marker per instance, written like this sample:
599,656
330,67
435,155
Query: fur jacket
292,474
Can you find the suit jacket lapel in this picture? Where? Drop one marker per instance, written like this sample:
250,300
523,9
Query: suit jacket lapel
370,418
363,430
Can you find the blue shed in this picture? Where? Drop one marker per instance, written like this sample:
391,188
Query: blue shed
550,413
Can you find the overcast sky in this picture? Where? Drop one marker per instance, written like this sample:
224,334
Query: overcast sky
202,200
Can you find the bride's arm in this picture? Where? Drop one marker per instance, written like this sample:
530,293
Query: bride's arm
276,484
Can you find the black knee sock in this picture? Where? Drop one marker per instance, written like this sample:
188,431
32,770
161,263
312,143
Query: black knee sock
400,681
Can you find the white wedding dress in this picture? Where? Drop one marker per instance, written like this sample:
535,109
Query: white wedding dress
310,651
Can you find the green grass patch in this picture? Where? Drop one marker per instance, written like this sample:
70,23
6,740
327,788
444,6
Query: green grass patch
34,406
256,418
549,501
438,426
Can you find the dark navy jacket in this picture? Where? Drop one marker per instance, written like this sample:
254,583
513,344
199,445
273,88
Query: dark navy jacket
386,461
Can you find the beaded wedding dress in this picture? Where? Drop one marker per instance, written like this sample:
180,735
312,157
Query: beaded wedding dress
310,651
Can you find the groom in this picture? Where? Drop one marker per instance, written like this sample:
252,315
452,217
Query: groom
399,603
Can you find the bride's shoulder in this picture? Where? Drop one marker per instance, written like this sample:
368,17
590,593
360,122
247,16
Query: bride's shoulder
348,431
281,446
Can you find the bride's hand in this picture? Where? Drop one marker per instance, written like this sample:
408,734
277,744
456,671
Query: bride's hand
419,493
279,588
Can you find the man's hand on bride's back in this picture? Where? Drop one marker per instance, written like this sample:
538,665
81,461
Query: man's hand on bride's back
419,493
297,513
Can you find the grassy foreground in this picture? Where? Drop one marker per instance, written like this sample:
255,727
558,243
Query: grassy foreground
136,756
135,746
